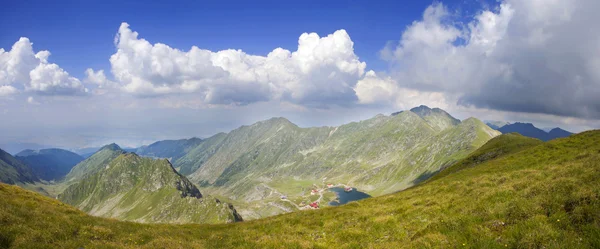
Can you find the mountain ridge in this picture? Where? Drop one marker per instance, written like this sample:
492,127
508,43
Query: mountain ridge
255,164
95,162
170,149
142,189
529,195
13,171
49,164
432,116
528,129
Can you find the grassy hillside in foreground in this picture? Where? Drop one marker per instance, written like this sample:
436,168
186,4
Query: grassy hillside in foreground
545,196
496,147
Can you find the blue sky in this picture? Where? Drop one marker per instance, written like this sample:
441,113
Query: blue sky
80,34
88,73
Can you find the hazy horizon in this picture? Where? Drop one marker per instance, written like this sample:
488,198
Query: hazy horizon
103,73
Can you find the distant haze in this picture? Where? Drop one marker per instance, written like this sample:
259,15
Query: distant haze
95,75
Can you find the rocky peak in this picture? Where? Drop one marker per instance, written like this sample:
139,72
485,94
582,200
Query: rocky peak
421,110
113,147
436,117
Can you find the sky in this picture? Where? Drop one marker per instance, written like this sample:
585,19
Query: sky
85,73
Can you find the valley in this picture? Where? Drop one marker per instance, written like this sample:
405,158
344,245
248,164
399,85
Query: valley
512,192
304,125
272,166
254,165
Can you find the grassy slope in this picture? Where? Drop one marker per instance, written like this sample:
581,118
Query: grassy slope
379,155
94,163
197,156
145,190
13,171
438,118
261,145
544,196
496,147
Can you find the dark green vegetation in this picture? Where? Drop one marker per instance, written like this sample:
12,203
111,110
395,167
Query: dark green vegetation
13,171
525,195
170,149
49,164
145,190
252,166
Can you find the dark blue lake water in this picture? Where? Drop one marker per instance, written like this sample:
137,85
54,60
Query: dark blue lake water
345,197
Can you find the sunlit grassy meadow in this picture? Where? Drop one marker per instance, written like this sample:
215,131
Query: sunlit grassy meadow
523,194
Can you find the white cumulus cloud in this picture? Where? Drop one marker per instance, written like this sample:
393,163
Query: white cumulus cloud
7,90
522,56
384,90
99,78
32,70
323,70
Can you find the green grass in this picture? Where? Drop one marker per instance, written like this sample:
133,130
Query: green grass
539,196
51,189
378,156
135,188
496,147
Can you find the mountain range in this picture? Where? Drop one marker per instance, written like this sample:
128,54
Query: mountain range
169,149
49,164
512,192
529,130
496,124
253,166
13,171
134,188
16,147
95,163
